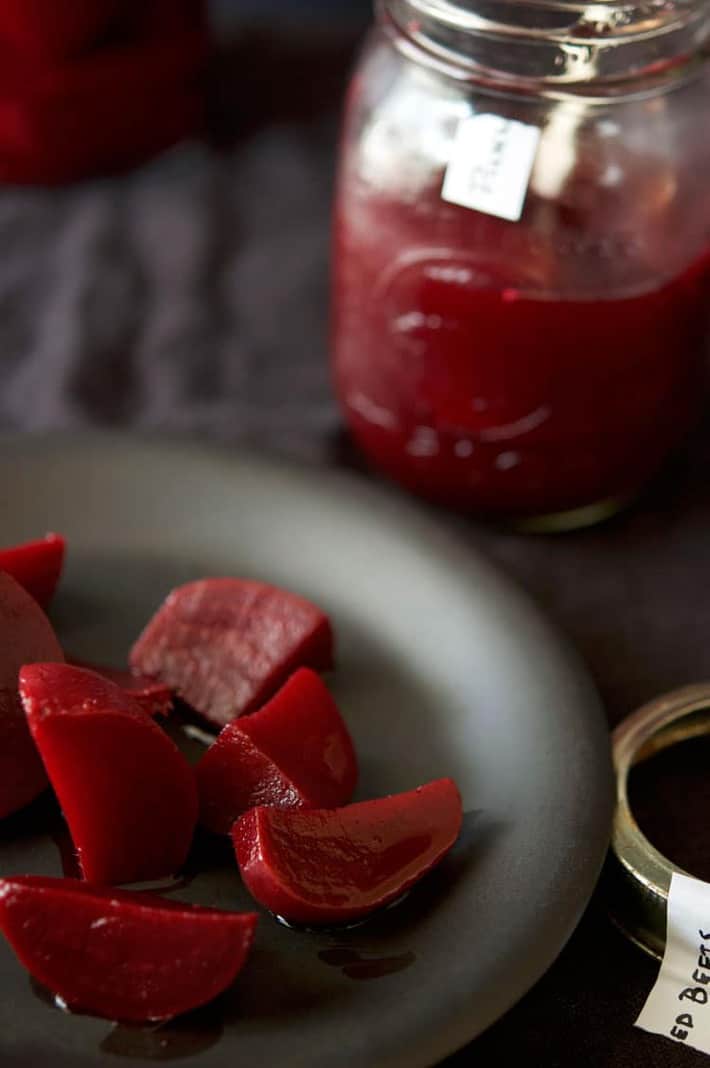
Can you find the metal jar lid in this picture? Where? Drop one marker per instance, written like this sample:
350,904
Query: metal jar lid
637,875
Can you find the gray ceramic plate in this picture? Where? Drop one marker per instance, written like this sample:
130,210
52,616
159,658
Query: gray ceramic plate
443,669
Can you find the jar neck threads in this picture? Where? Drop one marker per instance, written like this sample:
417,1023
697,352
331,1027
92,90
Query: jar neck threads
557,42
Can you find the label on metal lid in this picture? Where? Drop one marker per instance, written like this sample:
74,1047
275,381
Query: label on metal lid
490,165
678,1007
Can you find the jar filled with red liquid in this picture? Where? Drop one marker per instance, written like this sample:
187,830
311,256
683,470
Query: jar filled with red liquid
522,250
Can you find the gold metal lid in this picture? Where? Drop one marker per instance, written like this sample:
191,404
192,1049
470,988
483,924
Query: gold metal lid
637,875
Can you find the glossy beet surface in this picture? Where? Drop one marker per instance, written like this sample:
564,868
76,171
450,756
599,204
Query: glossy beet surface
25,635
154,697
294,753
127,793
226,645
125,956
334,866
36,565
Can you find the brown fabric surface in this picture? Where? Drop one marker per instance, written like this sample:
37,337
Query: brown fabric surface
192,296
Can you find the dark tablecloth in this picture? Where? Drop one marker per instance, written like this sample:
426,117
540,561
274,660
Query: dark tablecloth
192,296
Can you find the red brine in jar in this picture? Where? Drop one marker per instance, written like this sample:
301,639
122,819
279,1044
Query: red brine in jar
531,368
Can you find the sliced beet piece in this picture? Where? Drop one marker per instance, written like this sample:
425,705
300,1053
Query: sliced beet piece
36,565
294,753
22,774
154,697
25,634
225,645
127,793
338,865
125,956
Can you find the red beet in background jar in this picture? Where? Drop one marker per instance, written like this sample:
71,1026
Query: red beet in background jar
93,86
522,250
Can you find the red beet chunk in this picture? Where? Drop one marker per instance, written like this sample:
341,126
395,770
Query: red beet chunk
334,866
226,645
127,793
294,753
25,634
22,774
153,697
36,565
125,956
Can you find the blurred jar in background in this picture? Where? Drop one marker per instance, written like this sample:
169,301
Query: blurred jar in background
522,250
89,86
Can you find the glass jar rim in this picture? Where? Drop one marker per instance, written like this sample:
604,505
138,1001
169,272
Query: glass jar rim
557,41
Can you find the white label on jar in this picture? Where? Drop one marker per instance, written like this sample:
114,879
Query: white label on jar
490,165
678,1007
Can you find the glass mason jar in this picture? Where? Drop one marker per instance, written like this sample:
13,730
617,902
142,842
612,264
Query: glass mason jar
522,249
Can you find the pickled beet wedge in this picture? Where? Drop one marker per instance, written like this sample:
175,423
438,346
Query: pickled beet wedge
294,753
334,866
25,634
36,565
127,793
125,956
225,645
154,697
